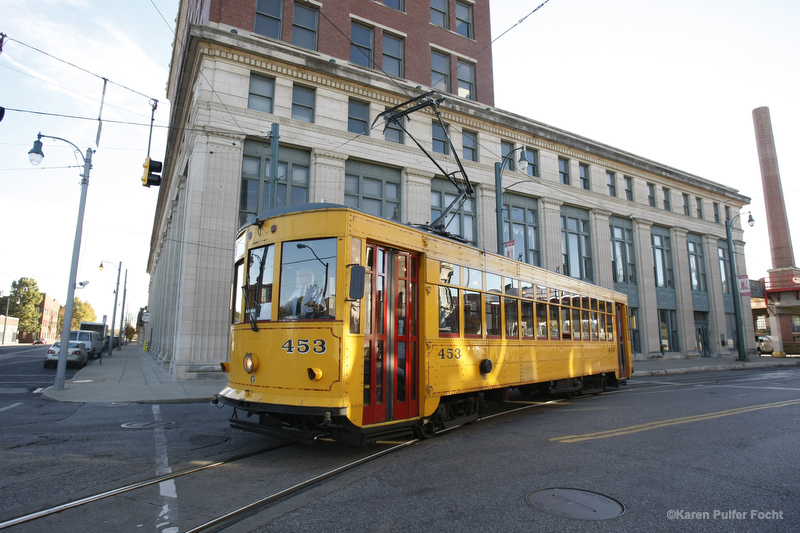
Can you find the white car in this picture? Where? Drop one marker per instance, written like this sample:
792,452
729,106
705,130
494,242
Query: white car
76,354
764,345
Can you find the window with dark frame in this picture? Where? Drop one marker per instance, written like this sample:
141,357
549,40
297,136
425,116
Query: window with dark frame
439,14
303,103
361,45
268,18
262,92
304,27
358,117
393,55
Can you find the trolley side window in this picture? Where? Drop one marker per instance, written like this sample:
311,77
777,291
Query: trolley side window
236,300
258,283
448,311
308,279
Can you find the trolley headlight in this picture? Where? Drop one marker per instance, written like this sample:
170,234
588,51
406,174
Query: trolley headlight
314,374
250,363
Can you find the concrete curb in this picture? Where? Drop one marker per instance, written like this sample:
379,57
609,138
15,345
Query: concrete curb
708,368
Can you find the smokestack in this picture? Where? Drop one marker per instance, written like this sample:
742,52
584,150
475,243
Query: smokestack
779,238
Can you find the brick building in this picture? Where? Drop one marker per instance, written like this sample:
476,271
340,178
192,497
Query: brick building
319,73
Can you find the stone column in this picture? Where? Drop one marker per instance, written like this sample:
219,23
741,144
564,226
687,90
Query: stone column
683,293
550,233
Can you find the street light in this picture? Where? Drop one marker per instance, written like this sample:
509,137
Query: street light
737,304
498,183
114,314
36,155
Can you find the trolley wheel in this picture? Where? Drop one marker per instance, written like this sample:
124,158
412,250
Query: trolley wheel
425,431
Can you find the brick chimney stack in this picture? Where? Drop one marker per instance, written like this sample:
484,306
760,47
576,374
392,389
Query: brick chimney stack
779,238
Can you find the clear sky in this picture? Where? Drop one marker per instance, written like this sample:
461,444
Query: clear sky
674,81
129,44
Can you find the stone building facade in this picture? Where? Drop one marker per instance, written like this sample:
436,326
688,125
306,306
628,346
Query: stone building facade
242,71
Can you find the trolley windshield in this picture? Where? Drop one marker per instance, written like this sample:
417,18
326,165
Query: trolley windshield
308,279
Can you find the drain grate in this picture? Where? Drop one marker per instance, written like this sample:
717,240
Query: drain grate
575,503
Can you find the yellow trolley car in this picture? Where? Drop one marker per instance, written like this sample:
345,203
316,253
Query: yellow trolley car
356,328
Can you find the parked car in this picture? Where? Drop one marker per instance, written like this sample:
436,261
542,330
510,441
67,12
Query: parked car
92,340
764,345
39,341
76,354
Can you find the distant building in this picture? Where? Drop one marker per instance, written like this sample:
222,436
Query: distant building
322,72
49,312
9,329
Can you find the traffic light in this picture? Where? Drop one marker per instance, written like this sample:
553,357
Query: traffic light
152,169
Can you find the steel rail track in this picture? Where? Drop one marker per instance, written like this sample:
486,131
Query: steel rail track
132,486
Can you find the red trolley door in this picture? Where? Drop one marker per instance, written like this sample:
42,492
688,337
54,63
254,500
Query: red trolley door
390,335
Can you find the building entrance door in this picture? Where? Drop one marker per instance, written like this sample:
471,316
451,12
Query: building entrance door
701,336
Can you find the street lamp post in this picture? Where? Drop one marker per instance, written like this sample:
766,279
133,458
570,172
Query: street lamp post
737,304
114,314
36,155
498,183
122,309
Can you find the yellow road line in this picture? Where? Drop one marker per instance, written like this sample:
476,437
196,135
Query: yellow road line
672,422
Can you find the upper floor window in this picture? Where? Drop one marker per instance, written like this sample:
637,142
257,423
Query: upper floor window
303,103
686,209
464,19
268,18
697,268
651,195
584,172
722,254
394,133
466,80
304,27
623,259
393,55
440,71
373,189
563,170
698,202
394,4
439,139
292,179
662,256
469,143
716,212
576,249
358,117
360,45
628,188
262,93
439,15
533,161
521,225
666,195
505,149
462,222
611,182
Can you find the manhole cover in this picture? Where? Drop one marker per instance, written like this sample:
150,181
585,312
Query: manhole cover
575,503
147,425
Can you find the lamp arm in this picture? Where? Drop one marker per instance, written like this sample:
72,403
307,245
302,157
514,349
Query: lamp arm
66,141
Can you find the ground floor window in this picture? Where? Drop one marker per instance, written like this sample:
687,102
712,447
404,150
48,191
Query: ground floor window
668,325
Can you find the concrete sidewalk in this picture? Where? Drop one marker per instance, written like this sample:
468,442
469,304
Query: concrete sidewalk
662,367
133,376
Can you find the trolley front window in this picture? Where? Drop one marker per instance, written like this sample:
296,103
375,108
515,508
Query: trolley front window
308,279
